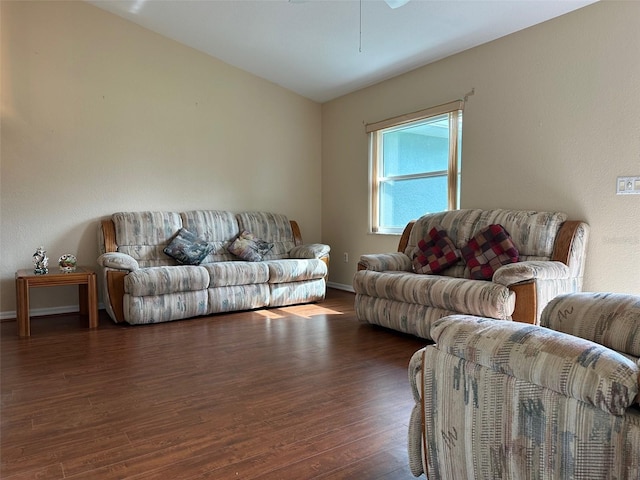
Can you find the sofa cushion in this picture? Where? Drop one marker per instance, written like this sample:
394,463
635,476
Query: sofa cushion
296,270
435,253
459,225
218,227
249,247
533,233
607,318
486,299
380,262
488,250
271,227
291,293
310,250
187,248
165,307
143,235
238,297
410,318
225,274
117,260
164,280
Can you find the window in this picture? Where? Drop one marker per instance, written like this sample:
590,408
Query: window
415,166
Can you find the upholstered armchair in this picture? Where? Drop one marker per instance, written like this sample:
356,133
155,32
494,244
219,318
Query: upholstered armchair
507,400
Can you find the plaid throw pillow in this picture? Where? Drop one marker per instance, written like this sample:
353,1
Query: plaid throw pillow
491,248
435,253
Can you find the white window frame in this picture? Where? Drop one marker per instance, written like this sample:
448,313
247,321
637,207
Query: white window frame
374,130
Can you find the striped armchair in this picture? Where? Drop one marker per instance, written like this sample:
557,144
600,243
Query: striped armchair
512,401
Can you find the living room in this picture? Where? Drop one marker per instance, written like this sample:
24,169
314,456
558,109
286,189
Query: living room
100,115
551,125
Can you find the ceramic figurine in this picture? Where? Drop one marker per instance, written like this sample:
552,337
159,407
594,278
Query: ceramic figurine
67,262
40,261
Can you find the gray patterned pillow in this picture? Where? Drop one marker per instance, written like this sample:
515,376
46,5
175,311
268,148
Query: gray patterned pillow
188,249
249,247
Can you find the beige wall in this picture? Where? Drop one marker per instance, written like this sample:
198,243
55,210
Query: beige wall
554,120
100,115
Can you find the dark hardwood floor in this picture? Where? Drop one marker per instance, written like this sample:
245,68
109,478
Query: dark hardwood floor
291,393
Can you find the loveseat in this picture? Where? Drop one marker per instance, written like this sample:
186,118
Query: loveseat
503,264
507,400
163,266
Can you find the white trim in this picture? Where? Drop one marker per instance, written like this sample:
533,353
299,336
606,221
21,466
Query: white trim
452,112
39,312
412,117
341,286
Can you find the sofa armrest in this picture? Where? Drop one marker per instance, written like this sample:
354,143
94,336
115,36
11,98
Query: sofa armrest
381,262
118,261
610,319
571,366
116,266
415,448
571,245
519,272
107,236
310,250
415,374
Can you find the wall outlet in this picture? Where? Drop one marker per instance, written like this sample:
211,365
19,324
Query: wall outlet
345,257
628,186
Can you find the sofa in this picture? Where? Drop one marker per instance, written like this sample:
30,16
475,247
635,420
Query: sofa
163,266
507,400
503,264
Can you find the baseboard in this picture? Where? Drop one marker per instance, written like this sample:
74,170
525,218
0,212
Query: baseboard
341,286
40,312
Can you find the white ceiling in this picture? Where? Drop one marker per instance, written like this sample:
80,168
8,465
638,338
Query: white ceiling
323,49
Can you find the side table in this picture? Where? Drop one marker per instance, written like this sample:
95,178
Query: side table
84,277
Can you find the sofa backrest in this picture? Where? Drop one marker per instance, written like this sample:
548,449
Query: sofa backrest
608,318
458,223
217,227
534,233
271,227
143,235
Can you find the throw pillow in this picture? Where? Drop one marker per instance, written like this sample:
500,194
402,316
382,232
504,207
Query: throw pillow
488,250
435,253
250,248
188,249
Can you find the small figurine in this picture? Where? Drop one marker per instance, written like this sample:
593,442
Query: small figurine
40,261
67,263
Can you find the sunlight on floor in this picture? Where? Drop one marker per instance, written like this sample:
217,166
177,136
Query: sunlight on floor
307,311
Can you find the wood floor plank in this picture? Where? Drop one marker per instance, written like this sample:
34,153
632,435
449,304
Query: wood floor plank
330,461
297,392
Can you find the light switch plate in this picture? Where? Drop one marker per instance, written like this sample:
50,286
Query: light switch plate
628,185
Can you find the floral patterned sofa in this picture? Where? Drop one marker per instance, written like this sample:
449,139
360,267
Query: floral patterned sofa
503,264
513,401
163,266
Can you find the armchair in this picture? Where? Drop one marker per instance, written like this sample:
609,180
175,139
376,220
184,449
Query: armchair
508,400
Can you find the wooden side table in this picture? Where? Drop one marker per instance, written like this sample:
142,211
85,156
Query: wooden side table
84,277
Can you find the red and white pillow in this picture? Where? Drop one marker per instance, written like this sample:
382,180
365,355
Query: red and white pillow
435,253
488,250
